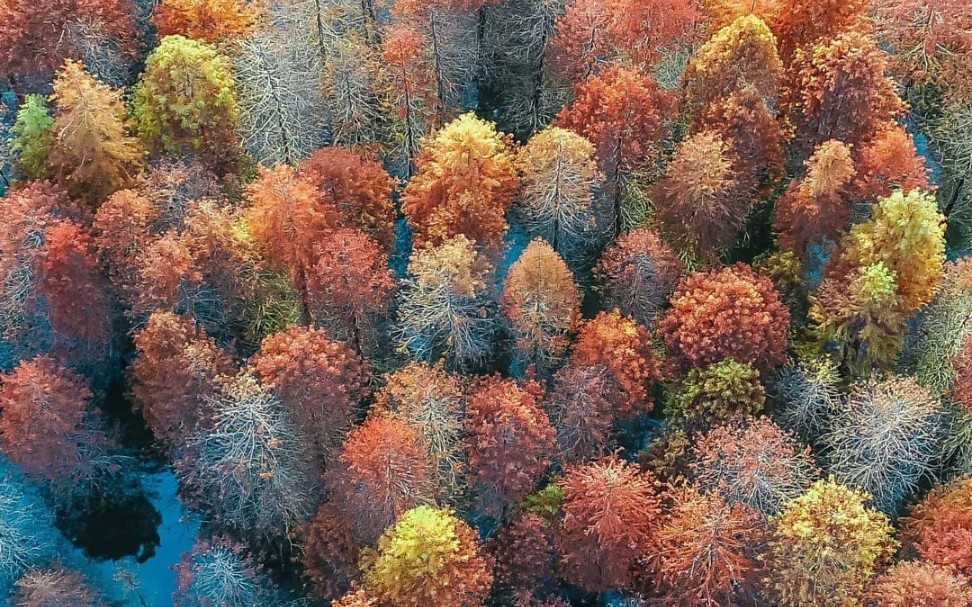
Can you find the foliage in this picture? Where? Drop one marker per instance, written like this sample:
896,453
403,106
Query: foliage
330,554
429,558
28,539
54,587
220,572
176,374
611,513
753,462
213,21
885,439
799,25
541,302
727,313
915,583
825,546
637,273
890,161
525,554
939,527
508,442
716,393
806,396
582,412
384,469
31,140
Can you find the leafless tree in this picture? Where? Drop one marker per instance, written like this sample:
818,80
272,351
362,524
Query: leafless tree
806,396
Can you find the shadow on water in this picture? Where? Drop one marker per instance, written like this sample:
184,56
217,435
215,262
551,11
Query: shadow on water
113,525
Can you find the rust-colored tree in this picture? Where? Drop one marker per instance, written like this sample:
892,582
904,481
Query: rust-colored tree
611,513
175,376
525,554
940,527
918,584
212,21
466,181
320,381
727,313
800,25
122,229
582,413
890,161
385,468
622,112
330,554
541,302
637,273
508,442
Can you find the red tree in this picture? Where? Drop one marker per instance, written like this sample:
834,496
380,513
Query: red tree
525,555
799,24
890,161
330,554
940,527
508,442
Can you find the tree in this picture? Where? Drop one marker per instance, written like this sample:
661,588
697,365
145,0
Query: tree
699,203
281,113
402,52
446,311
47,427
583,413
356,95
939,527
186,98
753,462
350,286
740,55
91,153
287,216
887,268
525,554
54,587
806,395
716,393
738,313
220,572
176,374
217,22
582,45
508,442
799,25
917,584
385,468
121,231
330,553
27,535
707,551
429,558
825,546
320,382
559,198
890,161
361,189
818,206
432,401
885,439
838,90
541,302
31,137
36,37
622,113
247,471
611,513
466,181
636,274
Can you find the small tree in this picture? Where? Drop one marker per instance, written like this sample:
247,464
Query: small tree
716,393
825,546
220,572
940,526
28,539
330,553
54,587
215,22
583,413
919,584
806,396
525,554
890,161
31,136
429,558
541,303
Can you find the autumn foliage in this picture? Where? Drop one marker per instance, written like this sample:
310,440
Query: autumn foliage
914,583
215,22
637,273
940,526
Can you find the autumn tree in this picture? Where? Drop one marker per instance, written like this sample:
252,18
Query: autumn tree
36,37
885,439
361,189
825,546
707,550
739,314
799,25
525,554
887,268
48,427
716,393
320,382
175,376
247,471
806,395
356,95
218,22
219,571
31,137
699,203
753,462
541,302
890,161
402,47
330,553
939,527
818,206
385,468
432,401
54,587
582,45
918,584
582,413
186,98
508,442
622,113
611,513
446,311
280,106
466,181
637,273
121,229
91,152
838,89
27,533
559,197
429,558
287,215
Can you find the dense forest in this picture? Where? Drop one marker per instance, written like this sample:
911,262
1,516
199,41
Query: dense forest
486,303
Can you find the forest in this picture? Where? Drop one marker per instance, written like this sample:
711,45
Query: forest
486,303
